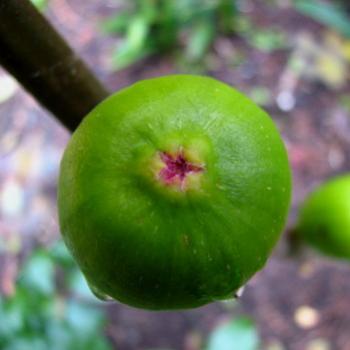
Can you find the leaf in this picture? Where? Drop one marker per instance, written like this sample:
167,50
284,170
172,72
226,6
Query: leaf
36,318
116,24
326,13
227,12
27,342
331,70
344,101
37,275
58,335
137,32
155,26
13,314
261,95
238,334
60,255
267,40
83,319
124,56
97,343
85,326
40,4
322,60
135,45
200,39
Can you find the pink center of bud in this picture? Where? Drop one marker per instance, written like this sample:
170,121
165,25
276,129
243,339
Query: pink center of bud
176,168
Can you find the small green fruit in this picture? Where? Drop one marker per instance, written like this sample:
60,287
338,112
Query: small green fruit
173,192
325,218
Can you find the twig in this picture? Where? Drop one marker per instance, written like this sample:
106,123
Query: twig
39,58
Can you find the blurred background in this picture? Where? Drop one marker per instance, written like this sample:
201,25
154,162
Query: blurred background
290,57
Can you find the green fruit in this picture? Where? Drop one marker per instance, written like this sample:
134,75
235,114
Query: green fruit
325,218
173,192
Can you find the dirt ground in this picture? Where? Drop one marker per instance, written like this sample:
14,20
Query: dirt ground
297,302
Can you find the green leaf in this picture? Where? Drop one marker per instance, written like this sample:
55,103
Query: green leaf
135,45
326,13
96,343
60,255
227,12
238,334
137,32
267,40
261,95
200,39
40,4
38,274
13,314
27,342
59,335
35,318
83,319
124,56
153,26
116,24
344,101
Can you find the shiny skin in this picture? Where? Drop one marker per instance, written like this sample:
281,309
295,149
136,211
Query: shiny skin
155,245
325,218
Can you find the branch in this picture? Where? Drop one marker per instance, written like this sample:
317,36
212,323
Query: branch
39,58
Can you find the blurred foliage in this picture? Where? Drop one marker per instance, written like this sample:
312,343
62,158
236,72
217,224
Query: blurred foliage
40,4
333,14
261,95
238,334
264,39
160,26
52,307
325,60
344,101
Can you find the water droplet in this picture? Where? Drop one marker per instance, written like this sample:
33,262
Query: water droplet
238,293
98,294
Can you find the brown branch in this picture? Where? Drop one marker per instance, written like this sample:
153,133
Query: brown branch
39,58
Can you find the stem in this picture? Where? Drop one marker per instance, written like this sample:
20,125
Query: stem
39,58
